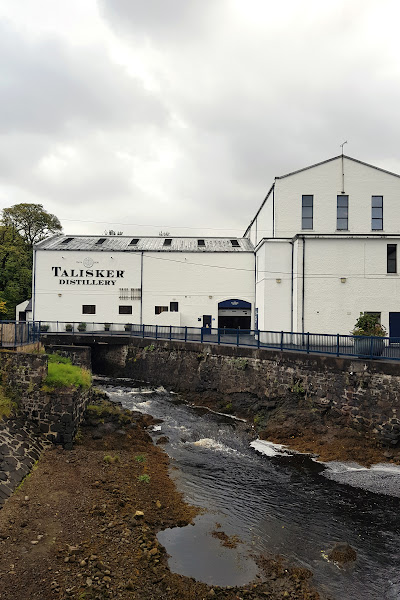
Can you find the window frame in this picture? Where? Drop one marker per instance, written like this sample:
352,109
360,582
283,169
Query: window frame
88,312
174,307
125,312
372,214
391,259
337,213
304,218
160,309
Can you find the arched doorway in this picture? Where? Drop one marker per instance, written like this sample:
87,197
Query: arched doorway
234,314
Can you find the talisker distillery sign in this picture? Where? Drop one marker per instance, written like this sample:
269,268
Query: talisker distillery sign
87,276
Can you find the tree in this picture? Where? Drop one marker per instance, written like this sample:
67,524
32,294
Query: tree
15,271
31,221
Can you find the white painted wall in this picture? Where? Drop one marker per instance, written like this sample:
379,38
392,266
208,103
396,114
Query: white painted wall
324,182
197,281
274,285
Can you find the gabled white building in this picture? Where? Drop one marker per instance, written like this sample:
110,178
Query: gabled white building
321,249
326,241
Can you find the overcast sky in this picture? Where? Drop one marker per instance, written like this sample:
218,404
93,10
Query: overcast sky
178,114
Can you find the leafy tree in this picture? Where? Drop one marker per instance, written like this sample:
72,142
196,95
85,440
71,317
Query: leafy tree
15,271
31,221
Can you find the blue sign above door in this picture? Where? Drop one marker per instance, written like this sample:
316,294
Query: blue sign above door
234,303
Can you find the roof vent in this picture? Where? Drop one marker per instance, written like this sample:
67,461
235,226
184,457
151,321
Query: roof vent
201,243
167,242
67,240
134,242
100,241
235,244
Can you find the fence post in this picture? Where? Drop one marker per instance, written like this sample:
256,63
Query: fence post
281,341
170,332
237,337
258,339
372,347
186,334
201,335
308,342
219,336
337,345
156,331
143,326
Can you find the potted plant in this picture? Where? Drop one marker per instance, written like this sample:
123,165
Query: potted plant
128,326
68,327
82,327
367,332
107,326
44,327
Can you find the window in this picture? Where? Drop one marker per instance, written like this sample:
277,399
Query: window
100,241
160,309
377,213
67,240
125,310
167,241
89,309
134,242
135,293
129,293
307,212
174,307
392,258
235,244
201,243
342,222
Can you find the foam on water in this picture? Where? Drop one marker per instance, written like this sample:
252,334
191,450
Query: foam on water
211,444
270,449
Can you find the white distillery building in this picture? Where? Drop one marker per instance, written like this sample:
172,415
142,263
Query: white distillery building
206,282
321,249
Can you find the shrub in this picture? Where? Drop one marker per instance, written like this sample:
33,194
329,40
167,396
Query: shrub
57,358
7,406
82,327
367,324
140,458
68,327
110,460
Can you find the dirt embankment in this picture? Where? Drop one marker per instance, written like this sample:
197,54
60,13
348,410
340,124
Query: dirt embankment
83,525
292,423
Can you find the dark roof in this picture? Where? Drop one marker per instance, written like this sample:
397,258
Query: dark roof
360,162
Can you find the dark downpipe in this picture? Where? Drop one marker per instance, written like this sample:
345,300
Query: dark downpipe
273,212
141,288
303,286
292,285
34,285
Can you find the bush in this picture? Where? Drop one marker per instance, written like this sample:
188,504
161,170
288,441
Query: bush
68,327
368,324
82,327
57,358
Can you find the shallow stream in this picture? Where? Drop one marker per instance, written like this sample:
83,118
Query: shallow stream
274,501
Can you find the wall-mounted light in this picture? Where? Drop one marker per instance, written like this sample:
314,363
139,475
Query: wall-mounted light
343,279
59,295
279,281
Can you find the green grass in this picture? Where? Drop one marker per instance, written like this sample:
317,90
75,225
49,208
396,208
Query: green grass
57,358
7,406
145,478
140,458
61,374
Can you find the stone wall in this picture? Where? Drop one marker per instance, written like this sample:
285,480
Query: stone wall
57,413
362,394
79,355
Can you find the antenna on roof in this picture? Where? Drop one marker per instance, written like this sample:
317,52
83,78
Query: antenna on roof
341,145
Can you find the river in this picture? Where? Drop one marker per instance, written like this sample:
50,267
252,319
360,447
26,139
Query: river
274,501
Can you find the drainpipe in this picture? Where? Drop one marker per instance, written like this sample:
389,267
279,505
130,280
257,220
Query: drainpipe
292,283
255,291
34,285
303,286
141,288
273,212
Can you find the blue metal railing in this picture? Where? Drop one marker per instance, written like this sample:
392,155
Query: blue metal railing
14,334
